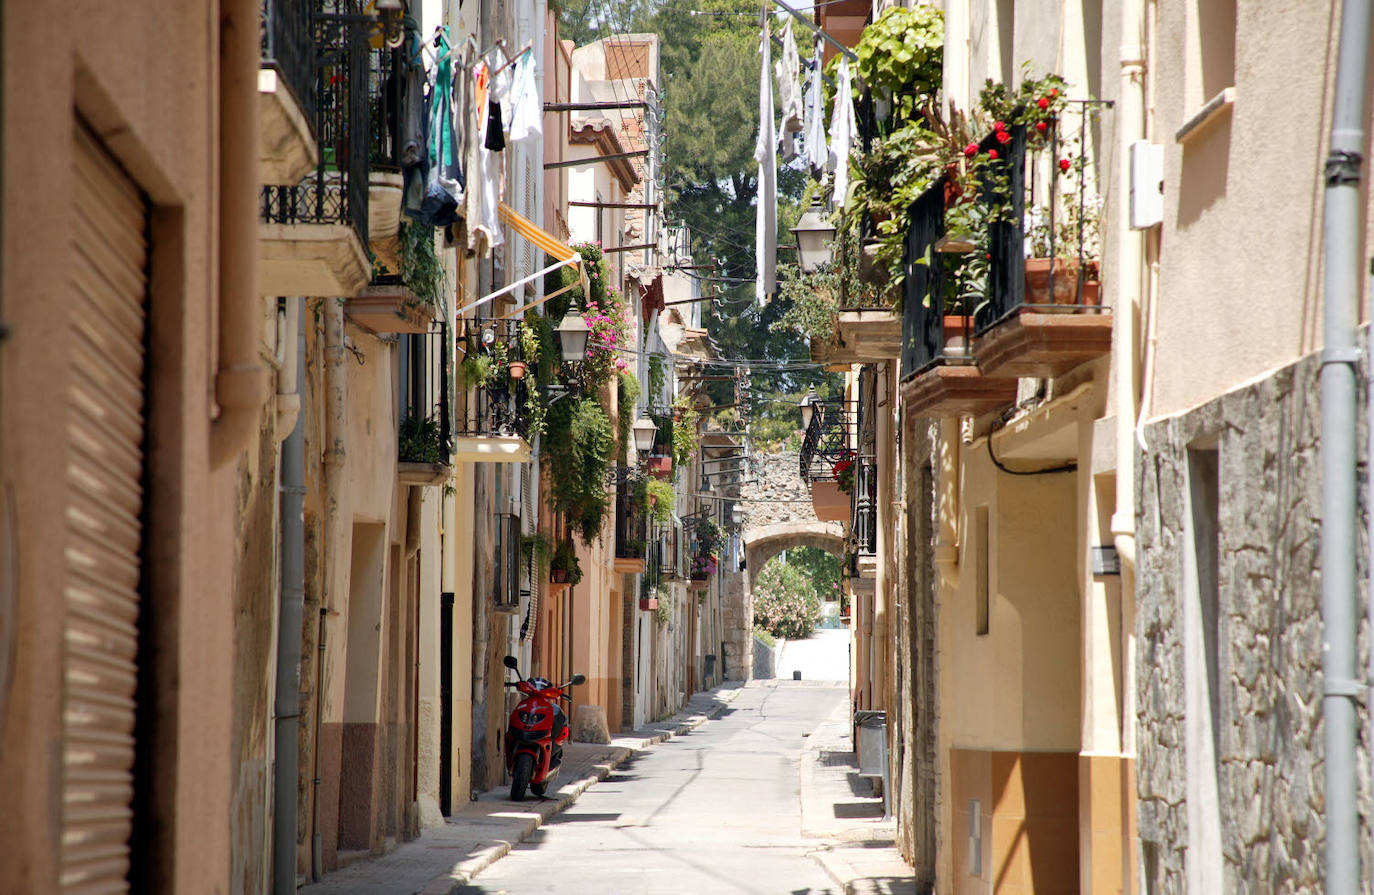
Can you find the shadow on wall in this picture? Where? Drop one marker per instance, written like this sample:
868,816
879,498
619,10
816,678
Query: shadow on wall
1206,161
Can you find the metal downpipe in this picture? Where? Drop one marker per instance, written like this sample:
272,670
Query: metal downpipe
288,708
1341,263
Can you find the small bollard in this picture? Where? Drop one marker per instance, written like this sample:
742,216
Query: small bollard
796,675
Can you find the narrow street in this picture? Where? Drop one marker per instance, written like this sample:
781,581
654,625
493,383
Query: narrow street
717,810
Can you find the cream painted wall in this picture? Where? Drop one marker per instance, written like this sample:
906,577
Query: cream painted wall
1240,275
1013,688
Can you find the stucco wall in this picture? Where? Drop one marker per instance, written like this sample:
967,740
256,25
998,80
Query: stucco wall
1268,664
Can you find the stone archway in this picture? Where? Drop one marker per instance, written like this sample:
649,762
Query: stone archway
777,516
765,542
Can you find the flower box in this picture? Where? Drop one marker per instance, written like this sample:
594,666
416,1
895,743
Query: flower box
830,502
558,576
1065,282
660,466
648,604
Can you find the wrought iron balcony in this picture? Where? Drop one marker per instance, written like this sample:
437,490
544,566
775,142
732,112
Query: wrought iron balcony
495,382
425,436
288,46
386,106
827,440
863,493
1060,285
631,522
336,191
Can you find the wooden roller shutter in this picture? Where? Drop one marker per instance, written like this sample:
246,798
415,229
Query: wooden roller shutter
103,511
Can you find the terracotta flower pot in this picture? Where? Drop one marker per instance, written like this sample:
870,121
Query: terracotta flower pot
558,576
1065,282
517,369
648,604
958,333
660,466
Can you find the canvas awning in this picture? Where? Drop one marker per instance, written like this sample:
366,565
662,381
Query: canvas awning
545,242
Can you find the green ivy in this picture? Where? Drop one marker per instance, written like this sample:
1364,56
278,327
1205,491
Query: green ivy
684,434
625,411
421,271
660,508
577,452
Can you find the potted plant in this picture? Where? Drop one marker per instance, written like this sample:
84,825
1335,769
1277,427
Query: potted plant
564,567
843,470
517,369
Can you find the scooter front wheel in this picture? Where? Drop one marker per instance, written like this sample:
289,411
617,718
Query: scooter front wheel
524,769
539,789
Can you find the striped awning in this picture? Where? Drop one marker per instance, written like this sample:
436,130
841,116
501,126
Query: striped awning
547,243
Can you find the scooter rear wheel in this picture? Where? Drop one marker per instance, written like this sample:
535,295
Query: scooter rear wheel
520,776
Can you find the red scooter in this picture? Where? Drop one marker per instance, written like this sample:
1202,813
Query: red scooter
537,731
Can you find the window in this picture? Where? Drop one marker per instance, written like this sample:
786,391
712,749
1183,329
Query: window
506,577
975,837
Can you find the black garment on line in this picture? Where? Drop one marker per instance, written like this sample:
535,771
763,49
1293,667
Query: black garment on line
496,134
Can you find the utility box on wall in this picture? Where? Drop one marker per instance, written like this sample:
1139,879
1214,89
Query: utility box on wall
1147,184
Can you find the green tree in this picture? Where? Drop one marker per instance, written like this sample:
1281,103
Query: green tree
785,603
822,569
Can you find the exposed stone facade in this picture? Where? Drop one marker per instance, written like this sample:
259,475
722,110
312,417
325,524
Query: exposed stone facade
914,724
1268,654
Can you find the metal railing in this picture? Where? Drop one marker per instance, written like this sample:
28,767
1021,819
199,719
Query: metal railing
425,434
336,191
927,282
860,475
631,523
507,565
495,407
1006,279
827,440
289,47
386,106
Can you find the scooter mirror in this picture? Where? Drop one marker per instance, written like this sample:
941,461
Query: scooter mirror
579,679
510,662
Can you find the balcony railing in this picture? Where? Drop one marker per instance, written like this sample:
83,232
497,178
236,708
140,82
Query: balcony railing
631,523
336,192
386,106
826,442
426,429
860,475
289,47
932,329
496,406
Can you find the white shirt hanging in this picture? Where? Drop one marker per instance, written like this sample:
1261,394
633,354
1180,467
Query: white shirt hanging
765,153
789,92
844,129
526,114
817,152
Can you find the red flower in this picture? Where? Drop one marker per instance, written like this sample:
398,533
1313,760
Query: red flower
987,255
992,153
999,126
1054,91
1043,103
1041,126
1064,164
1003,137
970,150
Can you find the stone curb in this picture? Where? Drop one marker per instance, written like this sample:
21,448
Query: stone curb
464,871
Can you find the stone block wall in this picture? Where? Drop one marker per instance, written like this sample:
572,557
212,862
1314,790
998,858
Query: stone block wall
1268,638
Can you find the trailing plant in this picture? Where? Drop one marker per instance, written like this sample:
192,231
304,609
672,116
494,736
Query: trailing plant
658,378
708,536
420,441
421,271
684,434
564,559
611,326
536,547
625,412
658,500
664,613
577,452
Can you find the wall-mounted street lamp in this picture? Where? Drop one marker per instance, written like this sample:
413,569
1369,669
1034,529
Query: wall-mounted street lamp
808,408
572,336
737,515
815,237
389,14
644,431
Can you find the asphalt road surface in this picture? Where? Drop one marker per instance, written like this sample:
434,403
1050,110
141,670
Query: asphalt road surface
715,811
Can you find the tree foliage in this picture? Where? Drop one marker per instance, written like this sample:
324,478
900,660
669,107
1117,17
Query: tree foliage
785,601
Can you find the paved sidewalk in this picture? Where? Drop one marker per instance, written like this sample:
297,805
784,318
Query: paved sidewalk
482,832
839,806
